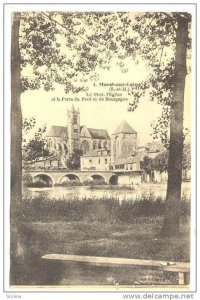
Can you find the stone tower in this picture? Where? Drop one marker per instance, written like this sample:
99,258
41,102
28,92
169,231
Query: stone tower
123,142
73,127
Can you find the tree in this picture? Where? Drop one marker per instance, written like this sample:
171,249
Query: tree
186,160
73,162
157,33
36,147
35,44
161,162
148,165
173,198
162,40
16,241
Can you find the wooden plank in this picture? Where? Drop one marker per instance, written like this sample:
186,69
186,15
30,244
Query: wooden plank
181,267
181,278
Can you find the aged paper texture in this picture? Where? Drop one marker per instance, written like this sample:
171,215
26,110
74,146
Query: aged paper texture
101,139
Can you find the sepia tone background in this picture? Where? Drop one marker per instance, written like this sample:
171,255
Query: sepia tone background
96,114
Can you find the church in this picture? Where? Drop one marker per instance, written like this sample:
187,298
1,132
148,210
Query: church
100,152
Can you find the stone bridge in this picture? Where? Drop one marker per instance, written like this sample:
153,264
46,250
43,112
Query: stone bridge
58,176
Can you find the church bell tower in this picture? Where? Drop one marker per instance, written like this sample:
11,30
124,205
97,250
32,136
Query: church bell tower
73,126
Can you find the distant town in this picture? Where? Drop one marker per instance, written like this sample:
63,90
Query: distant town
97,151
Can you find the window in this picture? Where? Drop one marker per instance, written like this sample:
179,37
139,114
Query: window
94,145
85,146
75,119
90,160
75,130
105,144
106,161
99,160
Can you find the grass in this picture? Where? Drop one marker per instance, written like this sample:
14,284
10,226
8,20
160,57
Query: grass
109,210
98,227
138,240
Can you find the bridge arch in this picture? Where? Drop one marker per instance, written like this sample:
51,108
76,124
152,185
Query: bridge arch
113,180
70,177
98,177
43,180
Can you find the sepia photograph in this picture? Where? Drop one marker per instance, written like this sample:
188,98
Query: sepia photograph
101,145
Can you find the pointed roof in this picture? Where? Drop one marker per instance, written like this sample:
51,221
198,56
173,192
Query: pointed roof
124,127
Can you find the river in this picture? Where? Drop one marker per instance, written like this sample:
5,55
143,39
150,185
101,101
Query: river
83,192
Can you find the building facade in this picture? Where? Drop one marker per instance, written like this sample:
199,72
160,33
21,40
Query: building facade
98,151
64,140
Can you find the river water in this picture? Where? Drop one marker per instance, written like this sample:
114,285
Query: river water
83,192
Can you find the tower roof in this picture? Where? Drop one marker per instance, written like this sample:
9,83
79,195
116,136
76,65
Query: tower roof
124,127
73,109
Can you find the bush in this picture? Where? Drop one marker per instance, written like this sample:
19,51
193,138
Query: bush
69,183
94,182
113,187
39,184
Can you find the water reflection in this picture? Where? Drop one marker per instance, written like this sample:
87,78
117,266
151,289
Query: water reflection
82,192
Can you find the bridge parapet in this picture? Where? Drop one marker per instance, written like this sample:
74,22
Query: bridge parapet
57,176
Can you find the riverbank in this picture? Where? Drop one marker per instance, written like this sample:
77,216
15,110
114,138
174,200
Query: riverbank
102,209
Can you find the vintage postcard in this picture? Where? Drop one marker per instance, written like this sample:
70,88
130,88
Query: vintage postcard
102,188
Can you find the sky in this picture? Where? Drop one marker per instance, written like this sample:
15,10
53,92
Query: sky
96,114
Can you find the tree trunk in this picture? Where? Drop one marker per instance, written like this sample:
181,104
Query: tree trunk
16,248
173,198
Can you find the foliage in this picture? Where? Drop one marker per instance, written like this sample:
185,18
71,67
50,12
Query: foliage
38,184
73,162
147,164
34,148
27,125
47,39
160,162
99,39
186,158
112,187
